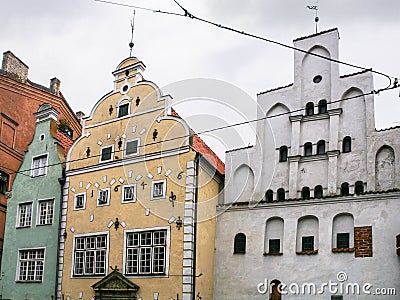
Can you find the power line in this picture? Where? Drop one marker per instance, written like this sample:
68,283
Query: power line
218,128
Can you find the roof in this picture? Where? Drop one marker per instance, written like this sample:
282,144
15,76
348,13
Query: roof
238,149
356,73
200,146
65,141
315,34
274,89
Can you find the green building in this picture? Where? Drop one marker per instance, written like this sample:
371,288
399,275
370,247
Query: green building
33,215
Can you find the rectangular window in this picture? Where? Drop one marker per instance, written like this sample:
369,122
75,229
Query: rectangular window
24,215
80,201
46,212
343,240
30,265
103,197
307,243
274,246
132,147
123,110
90,255
158,189
106,153
146,252
39,166
129,193
3,182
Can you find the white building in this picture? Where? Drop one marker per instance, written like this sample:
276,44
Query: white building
316,200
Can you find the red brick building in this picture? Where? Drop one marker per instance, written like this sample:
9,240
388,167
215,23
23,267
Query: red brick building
20,98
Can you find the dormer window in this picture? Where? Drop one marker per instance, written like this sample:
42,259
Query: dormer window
123,110
309,109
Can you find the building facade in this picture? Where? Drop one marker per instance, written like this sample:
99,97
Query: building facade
20,98
317,198
139,200
33,219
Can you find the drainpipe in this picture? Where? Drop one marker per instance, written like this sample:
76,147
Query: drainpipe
196,193
62,182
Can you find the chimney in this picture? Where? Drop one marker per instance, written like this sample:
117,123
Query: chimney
80,115
14,67
55,86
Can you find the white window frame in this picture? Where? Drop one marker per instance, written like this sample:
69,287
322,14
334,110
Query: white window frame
122,104
108,197
84,235
84,201
112,153
126,147
17,225
153,183
18,271
33,169
123,193
167,252
38,212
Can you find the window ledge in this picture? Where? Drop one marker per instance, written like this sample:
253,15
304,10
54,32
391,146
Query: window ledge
315,117
272,254
308,252
28,281
314,157
239,252
343,250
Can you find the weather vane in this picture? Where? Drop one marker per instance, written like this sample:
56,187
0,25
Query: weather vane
316,19
131,44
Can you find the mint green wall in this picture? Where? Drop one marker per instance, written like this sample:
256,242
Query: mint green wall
25,189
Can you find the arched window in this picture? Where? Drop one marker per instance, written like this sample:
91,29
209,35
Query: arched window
321,147
269,196
283,153
307,149
309,109
322,107
305,192
318,192
239,243
344,189
307,235
273,235
359,188
346,144
281,194
343,231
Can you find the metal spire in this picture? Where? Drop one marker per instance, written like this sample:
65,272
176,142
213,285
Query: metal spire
316,19
131,44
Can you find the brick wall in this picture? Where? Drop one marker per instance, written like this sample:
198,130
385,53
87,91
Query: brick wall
363,241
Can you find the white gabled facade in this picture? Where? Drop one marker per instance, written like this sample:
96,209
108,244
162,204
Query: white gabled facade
318,194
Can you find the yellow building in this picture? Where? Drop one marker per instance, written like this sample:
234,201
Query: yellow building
138,219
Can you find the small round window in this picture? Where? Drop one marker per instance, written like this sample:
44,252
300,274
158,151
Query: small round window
125,88
317,79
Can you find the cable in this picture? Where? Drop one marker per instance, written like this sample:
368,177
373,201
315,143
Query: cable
191,16
219,128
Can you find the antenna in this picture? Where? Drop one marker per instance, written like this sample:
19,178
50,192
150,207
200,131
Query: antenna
131,44
316,19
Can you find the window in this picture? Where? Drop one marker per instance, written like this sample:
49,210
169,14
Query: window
90,255
307,149
158,189
129,193
132,147
318,192
3,182
80,201
239,243
359,188
309,109
307,243
103,197
337,297
281,194
283,153
30,265
146,252
123,110
39,166
24,215
343,240
322,107
346,147
344,189
321,147
274,246
305,192
269,196
45,212
106,153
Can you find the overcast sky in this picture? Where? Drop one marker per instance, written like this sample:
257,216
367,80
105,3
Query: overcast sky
82,41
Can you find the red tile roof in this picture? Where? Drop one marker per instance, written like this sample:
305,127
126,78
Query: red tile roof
65,141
